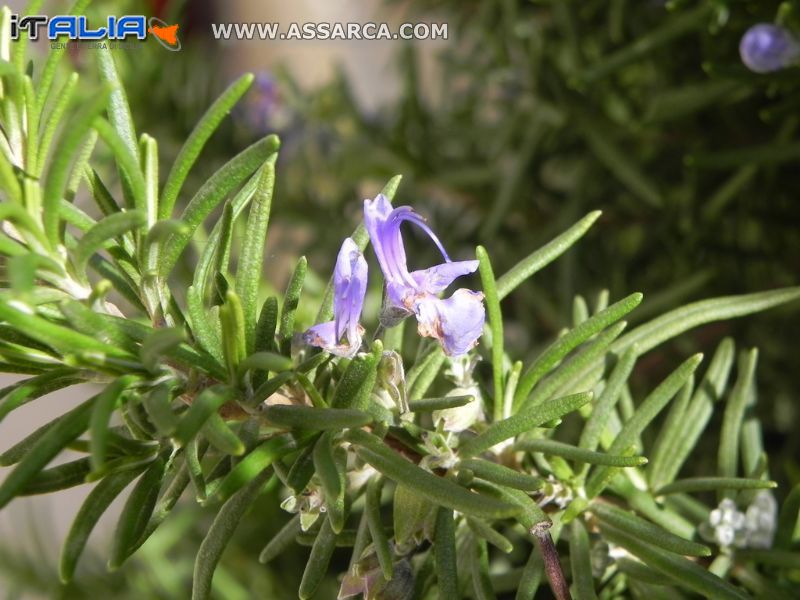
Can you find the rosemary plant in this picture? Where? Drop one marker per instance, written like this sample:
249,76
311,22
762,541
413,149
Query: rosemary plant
513,477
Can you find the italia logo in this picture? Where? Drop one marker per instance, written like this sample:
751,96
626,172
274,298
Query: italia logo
76,27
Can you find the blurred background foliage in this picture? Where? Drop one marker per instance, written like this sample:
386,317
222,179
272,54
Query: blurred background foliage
539,112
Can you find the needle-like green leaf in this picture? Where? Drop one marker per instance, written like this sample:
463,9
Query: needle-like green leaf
568,342
728,454
214,191
710,484
196,141
542,257
89,514
682,571
436,489
570,452
251,257
646,412
523,421
41,448
220,533
495,325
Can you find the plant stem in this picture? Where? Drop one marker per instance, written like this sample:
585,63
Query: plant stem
552,564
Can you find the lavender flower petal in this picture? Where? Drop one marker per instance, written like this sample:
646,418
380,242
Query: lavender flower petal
457,321
342,336
436,279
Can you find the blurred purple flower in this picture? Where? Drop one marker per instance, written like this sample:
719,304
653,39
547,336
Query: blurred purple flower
457,322
766,48
262,109
342,336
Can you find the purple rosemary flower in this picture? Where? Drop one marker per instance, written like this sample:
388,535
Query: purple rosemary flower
457,322
342,336
766,48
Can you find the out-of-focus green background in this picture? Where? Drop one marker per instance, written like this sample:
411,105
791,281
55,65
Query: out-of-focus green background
530,114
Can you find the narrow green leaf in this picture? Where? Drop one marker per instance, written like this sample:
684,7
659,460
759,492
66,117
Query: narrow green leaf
208,402
481,582
119,113
193,453
41,447
63,100
529,515
563,381
318,561
682,571
568,342
150,151
266,326
127,161
432,404
710,484
302,469
251,257
104,405
280,541
290,301
646,531
220,533
253,465
646,412
196,141
333,479
501,475
88,515
570,452
214,191
436,489
201,323
315,419
222,437
231,320
265,361
495,325
481,529
444,548
420,380
601,410
380,540
728,454
542,257
523,421
580,561
136,513
58,173
674,423
58,478
355,388
675,322
18,394
665,466
531,576
110,227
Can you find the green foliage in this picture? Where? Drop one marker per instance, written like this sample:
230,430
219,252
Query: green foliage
215,393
